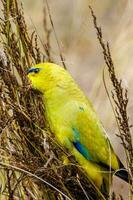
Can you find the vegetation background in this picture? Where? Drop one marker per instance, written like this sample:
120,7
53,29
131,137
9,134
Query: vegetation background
83,56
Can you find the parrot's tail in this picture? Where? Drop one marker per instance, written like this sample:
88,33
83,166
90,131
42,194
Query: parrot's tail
123,174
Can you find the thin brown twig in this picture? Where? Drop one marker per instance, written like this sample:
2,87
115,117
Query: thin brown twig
120,99
52,24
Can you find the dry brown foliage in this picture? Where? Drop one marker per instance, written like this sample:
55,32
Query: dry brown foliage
30,161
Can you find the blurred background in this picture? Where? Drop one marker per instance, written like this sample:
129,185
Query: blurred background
83,55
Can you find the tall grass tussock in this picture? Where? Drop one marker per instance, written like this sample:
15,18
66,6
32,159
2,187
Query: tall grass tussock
30,158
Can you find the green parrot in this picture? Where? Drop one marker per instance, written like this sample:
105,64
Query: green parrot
74,122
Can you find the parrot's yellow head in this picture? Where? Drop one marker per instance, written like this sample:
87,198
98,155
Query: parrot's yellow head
44,76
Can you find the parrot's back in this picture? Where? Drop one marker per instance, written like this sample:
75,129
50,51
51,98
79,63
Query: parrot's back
75,123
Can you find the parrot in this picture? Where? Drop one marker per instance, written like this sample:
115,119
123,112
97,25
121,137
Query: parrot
74,122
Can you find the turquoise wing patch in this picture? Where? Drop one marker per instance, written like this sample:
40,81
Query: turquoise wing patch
80,147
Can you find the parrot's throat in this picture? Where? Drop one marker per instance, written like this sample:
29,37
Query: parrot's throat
54,99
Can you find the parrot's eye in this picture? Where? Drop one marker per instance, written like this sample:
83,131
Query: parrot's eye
35,70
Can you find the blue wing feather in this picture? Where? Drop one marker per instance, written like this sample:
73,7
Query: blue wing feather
80,147
83,150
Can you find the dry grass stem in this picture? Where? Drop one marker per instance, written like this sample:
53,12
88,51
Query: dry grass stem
120,100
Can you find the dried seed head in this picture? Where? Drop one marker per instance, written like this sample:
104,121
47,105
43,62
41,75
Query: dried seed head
3,58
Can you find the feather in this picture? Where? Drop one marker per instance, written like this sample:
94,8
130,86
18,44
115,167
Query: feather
83,150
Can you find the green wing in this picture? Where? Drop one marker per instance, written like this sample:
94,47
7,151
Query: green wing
89,136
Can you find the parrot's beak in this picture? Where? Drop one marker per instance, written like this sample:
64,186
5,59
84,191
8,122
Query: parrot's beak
29,85
29,74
